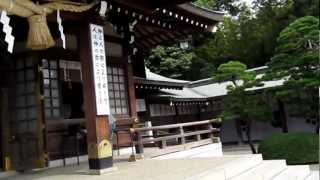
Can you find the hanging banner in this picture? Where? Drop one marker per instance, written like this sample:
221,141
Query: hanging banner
99,69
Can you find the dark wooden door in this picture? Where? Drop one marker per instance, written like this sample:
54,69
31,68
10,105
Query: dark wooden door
4,130
1,130
27,142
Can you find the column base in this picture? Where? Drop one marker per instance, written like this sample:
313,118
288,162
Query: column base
102,171
100,163
135,157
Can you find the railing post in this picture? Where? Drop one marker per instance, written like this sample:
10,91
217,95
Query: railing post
138,144
210,128
198,137
183,139
163,144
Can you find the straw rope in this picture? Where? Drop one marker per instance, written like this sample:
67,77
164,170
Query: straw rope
12,8
39,36
30,5
39,33
50,7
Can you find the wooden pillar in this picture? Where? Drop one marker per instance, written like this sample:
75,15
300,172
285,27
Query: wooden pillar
176,116
98,140
131,91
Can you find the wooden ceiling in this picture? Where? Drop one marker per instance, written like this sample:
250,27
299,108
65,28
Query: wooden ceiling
148,36
163,23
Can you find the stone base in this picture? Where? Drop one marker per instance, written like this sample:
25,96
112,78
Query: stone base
135,157
101,163
102,171
7,174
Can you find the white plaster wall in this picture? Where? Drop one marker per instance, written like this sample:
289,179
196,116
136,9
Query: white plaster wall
261,130
228,132
300,125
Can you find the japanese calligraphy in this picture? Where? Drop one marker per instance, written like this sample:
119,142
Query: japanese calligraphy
99,69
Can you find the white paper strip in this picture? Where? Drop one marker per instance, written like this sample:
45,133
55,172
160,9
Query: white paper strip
7,29
62,36
103,8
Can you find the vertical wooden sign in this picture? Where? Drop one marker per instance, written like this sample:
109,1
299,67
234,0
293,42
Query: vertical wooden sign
99,69
96,99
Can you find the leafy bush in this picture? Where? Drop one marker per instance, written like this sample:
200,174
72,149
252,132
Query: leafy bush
296,148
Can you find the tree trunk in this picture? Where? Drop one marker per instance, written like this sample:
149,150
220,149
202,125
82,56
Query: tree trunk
239,131
317,126
283,116
248,133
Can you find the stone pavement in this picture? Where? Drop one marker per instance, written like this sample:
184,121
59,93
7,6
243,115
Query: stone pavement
198,164
169,169
218,168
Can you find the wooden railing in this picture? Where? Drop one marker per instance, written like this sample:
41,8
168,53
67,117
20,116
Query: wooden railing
201,132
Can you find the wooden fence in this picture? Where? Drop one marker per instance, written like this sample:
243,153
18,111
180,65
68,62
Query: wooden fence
182,136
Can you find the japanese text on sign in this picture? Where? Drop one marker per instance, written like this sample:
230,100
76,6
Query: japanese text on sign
99,69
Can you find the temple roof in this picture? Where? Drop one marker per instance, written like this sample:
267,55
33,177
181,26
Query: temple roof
201,11
156,81
174,23
208,88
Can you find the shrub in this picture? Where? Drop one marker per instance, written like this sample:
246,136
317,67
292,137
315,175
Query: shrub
295,148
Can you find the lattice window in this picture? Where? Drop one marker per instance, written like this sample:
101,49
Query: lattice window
162,110
26,101
51,89
117,90
188,109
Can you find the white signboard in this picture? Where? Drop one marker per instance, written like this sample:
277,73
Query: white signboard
99,69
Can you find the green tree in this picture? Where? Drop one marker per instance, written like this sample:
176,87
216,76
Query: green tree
170,61
237,38
297,60
250,37
240,105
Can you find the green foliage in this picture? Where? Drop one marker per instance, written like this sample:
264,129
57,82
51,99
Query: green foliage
233,71
296,148
297,54
297,60
250,37
240,104
170,61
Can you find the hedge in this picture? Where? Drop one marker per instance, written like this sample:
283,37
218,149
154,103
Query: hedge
295,148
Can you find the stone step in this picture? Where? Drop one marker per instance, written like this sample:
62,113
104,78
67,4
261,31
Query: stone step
211,150
314,175
245,163
179,169
294,173
229,169
264,171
